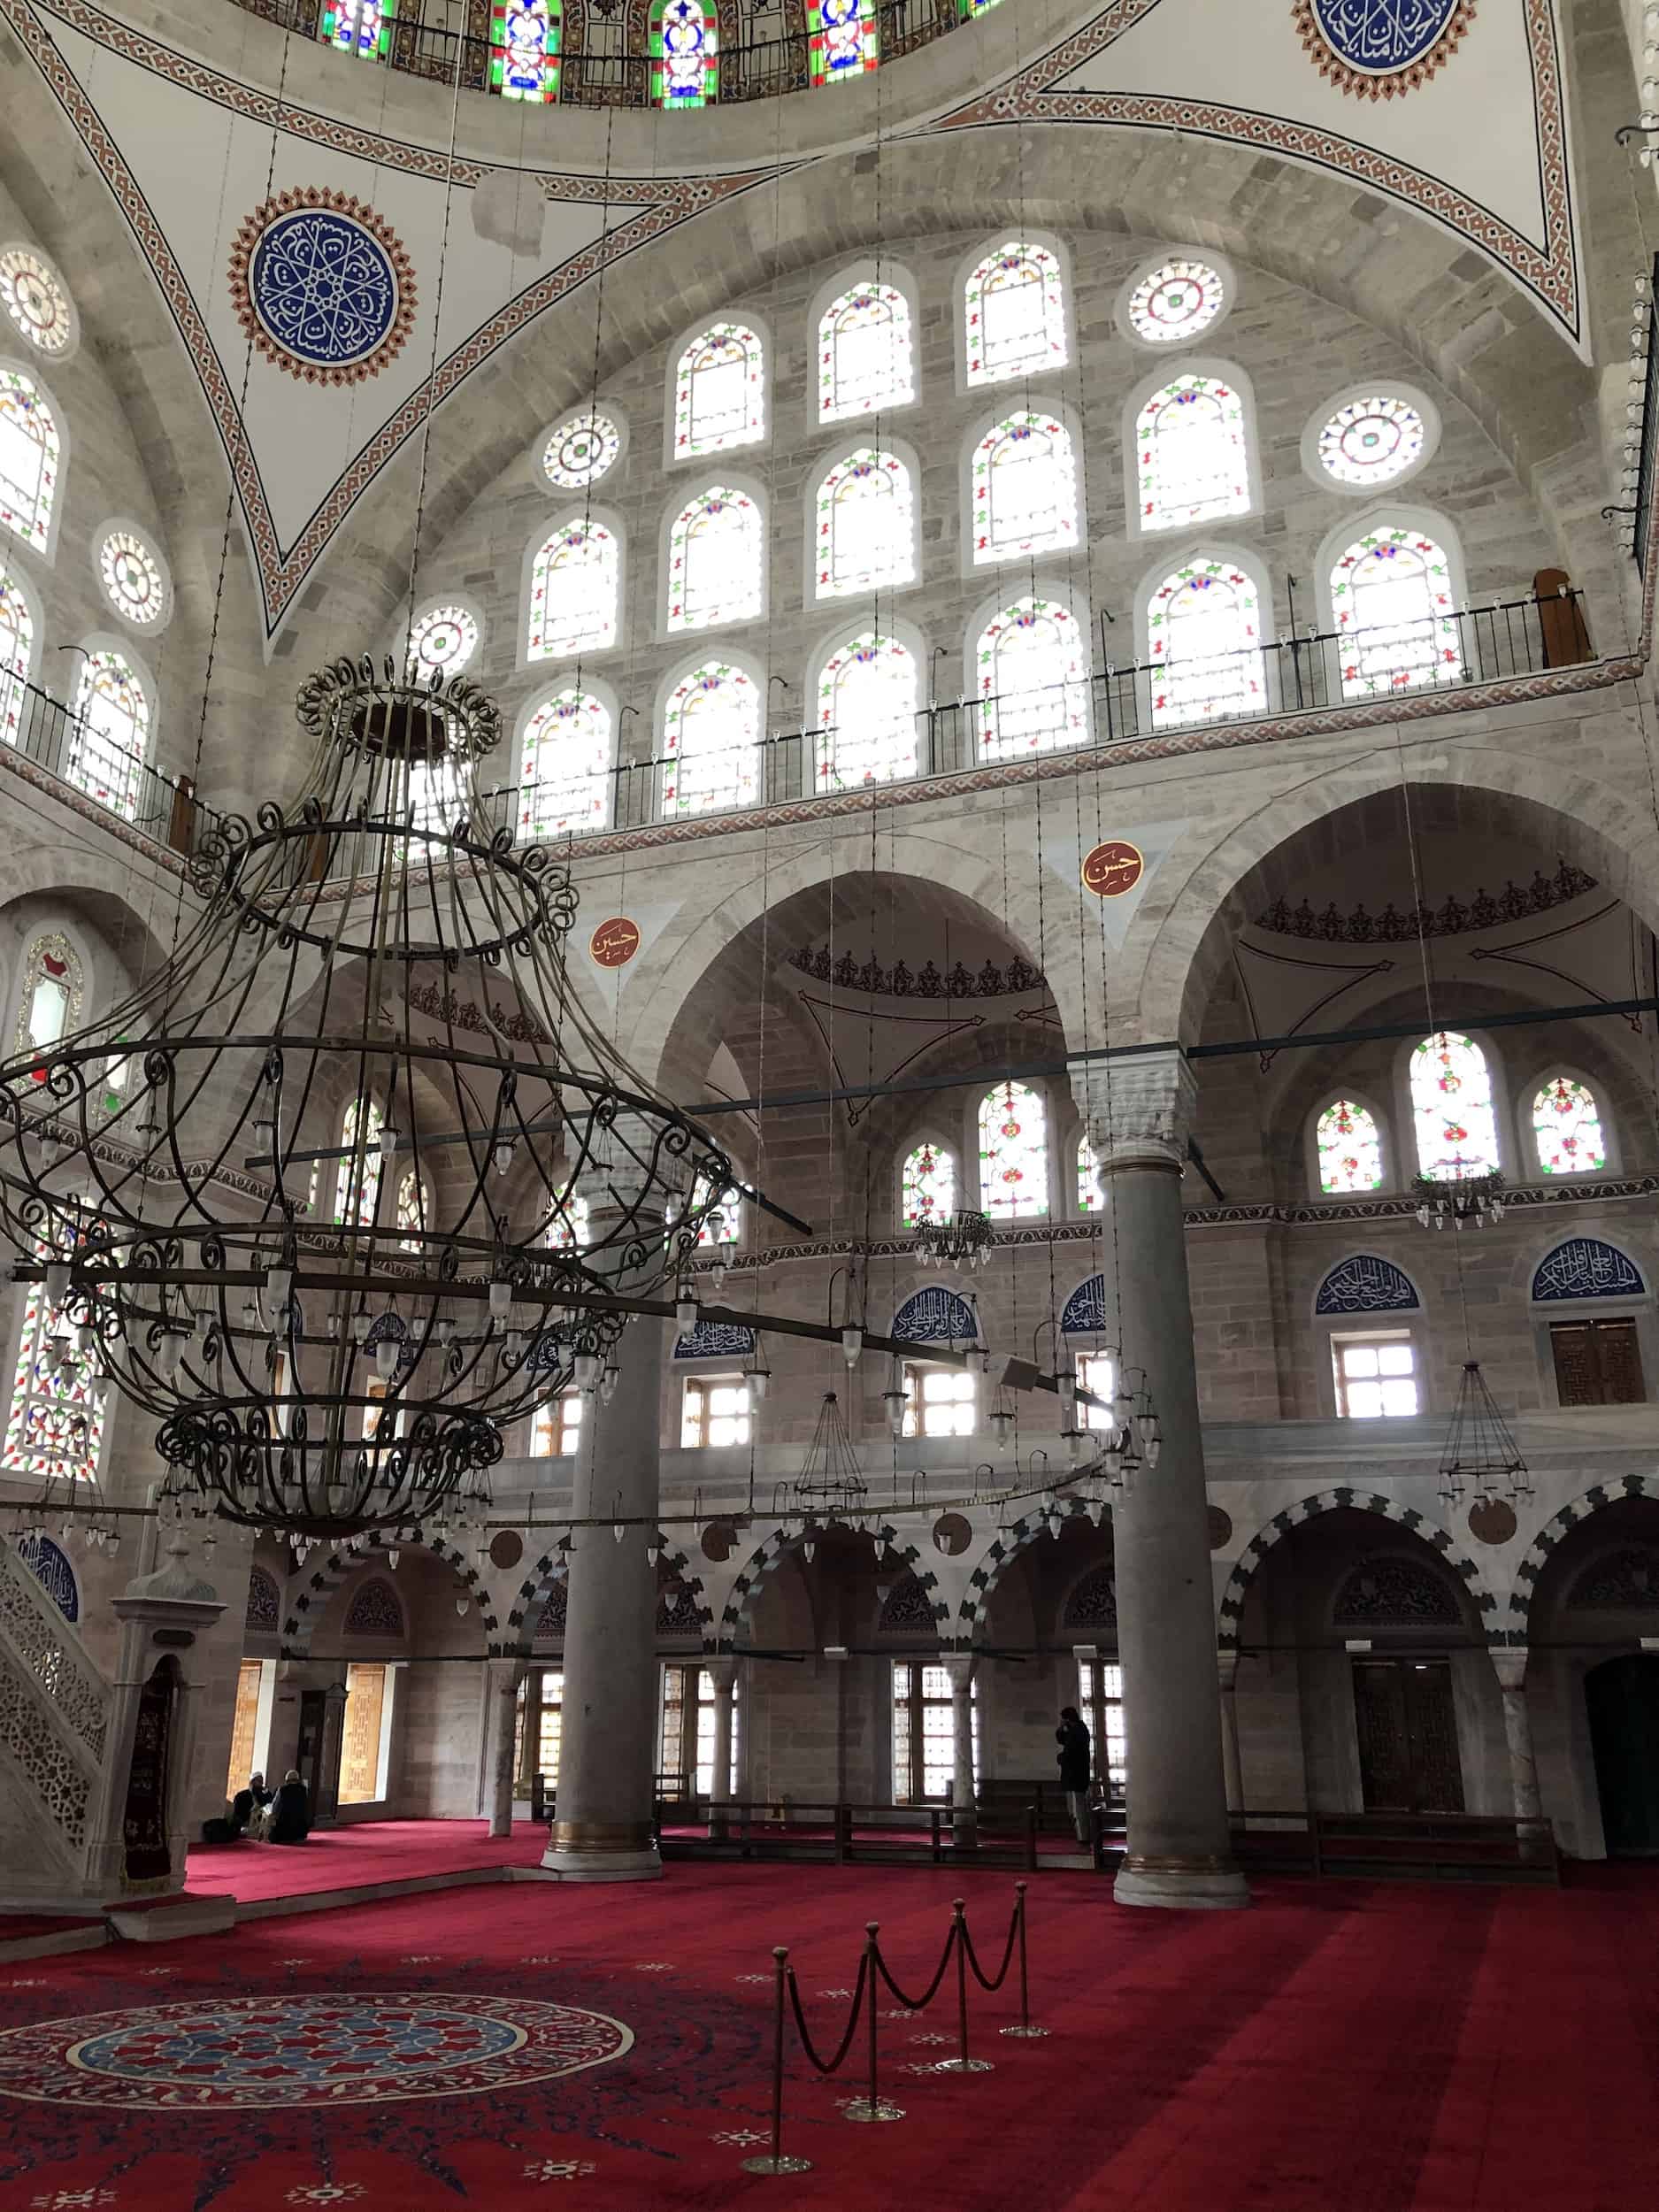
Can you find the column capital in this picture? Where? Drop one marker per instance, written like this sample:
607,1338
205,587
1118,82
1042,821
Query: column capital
959,1666
1511,1661
1138,1112
722,1675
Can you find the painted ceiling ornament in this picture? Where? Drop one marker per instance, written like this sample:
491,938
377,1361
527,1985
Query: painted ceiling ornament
1381,48
322,286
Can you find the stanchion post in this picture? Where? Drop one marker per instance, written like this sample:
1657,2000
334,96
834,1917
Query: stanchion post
962,2063
1024,2027
775,2162
871,2105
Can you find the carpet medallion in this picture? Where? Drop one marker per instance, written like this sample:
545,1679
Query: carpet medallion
304,2048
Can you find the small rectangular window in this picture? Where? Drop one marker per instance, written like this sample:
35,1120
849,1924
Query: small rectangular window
1376,1376
1597,1363
1099,1696
714,1412
1096,1375
923,1737
941,1400
557,1429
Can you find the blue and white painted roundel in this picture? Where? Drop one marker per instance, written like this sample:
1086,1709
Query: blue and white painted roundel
1381,47
322,286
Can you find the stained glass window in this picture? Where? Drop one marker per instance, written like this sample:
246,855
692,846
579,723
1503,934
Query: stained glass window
1091,1197
840,38
1034,681
132,577
724,1224
1452,1109
866,525
363,27
49,1002
443,641
720,392
1349,1145
565,775
867,705
1204,635
110,734
712,741
1371,440
414,1209
1015,314
969,8
866,353
1013,1152
17,655
35,301
567,1231
29,447
685,53
575,587
524,49
56,1424
1024,490
1391,593
716,560
357,1186
1174,302
1195,464
927,1191
1567,1128
581,451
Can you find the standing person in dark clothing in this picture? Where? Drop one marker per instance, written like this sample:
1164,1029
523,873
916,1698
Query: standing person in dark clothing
1073,1739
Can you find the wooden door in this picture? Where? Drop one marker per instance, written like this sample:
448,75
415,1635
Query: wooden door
1407,1727
308,1757
1623,1697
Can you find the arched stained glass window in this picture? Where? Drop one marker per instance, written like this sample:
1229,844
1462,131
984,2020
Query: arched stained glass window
865,352
1015,314
1452,1111
1091,1195
1567,1128
1024,490
524,49
357,1184
724,1225
565,775
720,392
1204,635
29,447
717,556
56,1423
712,741
568,1230
1194,460
17,655
363,27
1391,594
112,732
1349,1146
1013,1152
1034,681
840,38
50,999
866,525
867,705
928,1192
414,1209
685,53
575,589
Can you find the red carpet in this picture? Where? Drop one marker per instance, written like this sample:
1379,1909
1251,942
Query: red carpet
1342,2048
350,1858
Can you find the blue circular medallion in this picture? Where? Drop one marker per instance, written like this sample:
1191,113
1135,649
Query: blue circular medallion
322,286
1381,46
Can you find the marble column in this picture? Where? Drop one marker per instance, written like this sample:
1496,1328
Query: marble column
1227,1668
501,1718
1179,1847
964,1813
1510,1663
722,1679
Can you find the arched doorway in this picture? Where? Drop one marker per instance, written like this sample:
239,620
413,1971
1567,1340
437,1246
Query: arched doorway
1621,1696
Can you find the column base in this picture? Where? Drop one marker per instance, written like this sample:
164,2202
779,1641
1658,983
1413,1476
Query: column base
591,1851
1201,1884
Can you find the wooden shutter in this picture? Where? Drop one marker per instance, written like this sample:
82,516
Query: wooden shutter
1597,1363
1620,1361
1578,1381
1385,1758
360,1751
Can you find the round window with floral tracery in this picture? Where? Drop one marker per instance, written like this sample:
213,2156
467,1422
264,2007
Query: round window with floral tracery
443,640
582,450
1372,438
132,577
1175,301
35,301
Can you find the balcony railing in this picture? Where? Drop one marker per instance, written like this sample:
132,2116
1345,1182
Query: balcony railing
751,69
85,759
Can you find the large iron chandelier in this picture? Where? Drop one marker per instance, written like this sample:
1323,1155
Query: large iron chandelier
355,1181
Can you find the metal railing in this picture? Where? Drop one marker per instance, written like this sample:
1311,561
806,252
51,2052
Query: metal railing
39,728
752,69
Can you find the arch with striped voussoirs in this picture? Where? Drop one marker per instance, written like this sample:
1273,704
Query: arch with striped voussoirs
1536,1555
777,1547
1345,1501
518,1630
311,1599
1003,1548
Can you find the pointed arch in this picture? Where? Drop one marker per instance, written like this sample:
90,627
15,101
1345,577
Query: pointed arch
1395,586
1566,1128
31,458
574,593
1536,1555
868,690
770,1555
1030,674
552,1572
719,391
715,560
567,757
863,524
1348,1142
711,727
19,633
1004,1547
1194,446
309,1595
927,1184
1015,320
114,720
866,334
1012,1121
1205,621
1023,496
1454,1108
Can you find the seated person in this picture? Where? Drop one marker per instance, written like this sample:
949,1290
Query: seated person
247,1802
290,1819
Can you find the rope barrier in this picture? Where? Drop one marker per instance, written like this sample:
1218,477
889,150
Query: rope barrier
1007,1950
